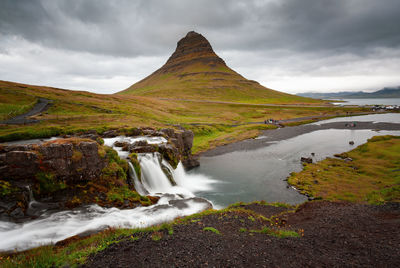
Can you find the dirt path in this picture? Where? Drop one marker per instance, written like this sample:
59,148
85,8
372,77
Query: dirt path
335,235
39,107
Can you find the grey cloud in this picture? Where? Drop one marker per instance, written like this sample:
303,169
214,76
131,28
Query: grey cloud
130,28
260,39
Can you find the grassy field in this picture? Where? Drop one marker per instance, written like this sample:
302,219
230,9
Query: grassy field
369,174
213,123
13,103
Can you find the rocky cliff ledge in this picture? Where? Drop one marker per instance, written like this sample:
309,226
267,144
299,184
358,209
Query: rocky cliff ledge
178,148
77,170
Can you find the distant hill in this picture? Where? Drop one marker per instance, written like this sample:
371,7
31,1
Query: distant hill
194,71
386,92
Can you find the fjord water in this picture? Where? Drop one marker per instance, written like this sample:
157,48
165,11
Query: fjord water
382,101
260,174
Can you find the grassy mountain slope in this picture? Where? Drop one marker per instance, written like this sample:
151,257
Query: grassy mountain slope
194,71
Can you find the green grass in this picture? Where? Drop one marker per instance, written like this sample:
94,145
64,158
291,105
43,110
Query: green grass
13,103
372,176
211,229
75,253
277,233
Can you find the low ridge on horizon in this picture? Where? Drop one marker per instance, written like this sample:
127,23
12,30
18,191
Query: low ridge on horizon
194,71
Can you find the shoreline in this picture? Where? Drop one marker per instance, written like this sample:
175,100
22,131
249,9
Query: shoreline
279,134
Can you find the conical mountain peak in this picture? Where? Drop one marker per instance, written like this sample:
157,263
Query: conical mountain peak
191,49
195,72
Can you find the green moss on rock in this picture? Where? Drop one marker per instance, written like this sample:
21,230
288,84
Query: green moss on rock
6,188
47,183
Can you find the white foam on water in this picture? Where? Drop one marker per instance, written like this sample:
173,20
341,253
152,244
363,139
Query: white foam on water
150,140
61,225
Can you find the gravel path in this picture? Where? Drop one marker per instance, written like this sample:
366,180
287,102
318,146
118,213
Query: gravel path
335,235
22,119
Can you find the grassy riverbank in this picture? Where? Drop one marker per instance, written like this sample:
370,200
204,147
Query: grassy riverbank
370,173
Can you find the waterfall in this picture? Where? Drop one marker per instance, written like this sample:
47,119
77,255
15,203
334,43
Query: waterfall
175,188
136,182
155,180
31,198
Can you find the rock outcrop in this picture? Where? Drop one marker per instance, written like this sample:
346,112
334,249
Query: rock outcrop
178,147
62,173
66,159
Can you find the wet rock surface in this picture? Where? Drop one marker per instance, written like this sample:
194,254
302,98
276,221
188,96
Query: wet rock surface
335,235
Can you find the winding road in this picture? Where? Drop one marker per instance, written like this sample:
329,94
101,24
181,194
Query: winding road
22,119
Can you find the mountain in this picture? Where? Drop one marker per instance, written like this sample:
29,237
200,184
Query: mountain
386,92
194,71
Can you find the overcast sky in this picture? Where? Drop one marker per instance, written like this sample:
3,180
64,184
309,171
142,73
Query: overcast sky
293,46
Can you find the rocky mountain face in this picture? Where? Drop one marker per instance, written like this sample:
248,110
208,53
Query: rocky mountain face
193,48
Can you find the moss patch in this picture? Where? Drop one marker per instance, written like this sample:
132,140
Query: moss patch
47,184
6,188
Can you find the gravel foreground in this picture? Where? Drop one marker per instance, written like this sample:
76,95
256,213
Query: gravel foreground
332,234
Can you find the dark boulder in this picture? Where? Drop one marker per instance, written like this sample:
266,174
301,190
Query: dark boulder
170,153
307,160
190,163
110,134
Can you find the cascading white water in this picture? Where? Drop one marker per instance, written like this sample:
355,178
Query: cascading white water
136,182
153,177
175,201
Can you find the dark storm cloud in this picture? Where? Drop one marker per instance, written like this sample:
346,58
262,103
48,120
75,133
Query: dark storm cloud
147,27
85,42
